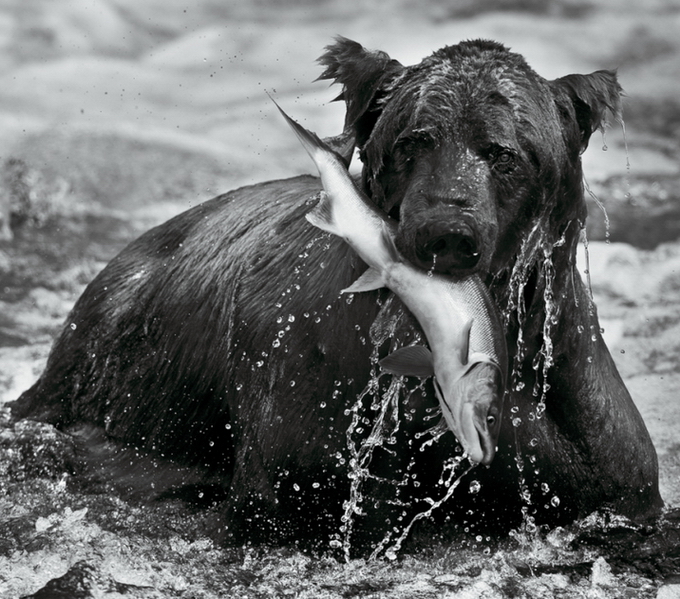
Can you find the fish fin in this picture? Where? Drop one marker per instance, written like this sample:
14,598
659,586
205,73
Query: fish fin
482,358
369,281
321,215
414,360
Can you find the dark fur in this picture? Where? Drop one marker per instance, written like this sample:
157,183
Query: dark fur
173,349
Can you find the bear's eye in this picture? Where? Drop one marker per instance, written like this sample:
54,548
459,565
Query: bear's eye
504,161
408,147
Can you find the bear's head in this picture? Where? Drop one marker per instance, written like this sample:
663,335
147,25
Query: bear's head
470,148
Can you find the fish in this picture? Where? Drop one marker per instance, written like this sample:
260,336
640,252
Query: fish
467,354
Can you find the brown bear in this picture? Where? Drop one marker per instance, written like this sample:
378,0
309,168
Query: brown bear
219,339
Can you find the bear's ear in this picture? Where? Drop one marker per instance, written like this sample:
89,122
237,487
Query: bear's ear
363,75
592,95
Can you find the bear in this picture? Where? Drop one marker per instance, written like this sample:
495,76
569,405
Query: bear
220,341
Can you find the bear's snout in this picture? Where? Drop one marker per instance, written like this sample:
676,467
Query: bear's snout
446,247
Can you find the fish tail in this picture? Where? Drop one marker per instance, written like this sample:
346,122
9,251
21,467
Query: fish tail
312,143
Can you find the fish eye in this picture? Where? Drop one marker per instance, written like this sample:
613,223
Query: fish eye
491,420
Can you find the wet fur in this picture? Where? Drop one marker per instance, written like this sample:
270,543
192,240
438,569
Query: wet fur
173,348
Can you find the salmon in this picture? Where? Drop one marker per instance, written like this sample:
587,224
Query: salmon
467,355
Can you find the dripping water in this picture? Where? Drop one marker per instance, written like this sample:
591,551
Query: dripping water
586,252
625,146
536,252
601,206
375,420
432,268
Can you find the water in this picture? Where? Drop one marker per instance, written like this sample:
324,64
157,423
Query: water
376,417
536,256
600,205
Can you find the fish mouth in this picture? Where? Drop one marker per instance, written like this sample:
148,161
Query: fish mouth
473,412
486,424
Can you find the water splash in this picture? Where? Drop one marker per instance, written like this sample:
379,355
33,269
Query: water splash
535,261
385,425
376,417
451,484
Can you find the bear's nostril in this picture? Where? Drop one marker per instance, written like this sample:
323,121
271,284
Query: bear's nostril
438,246
466,246
449,252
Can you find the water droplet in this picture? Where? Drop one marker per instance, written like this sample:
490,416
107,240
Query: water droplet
74,326
335,544
279,319
545,487
239,386
555,501
475,486
296,486
276,343
291,318
227,426
516,422
292,383
623,351
533,442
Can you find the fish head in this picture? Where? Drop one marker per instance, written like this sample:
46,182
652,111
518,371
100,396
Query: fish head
472,405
